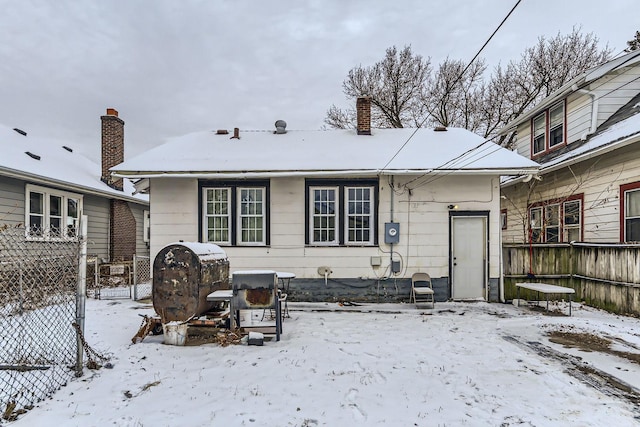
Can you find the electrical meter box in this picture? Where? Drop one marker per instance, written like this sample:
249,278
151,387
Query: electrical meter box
391,232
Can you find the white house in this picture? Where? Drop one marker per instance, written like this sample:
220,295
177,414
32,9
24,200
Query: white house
368,207
586,137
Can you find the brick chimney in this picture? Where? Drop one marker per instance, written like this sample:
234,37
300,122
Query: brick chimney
112,147
363,114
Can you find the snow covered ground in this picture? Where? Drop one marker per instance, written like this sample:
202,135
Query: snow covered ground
460,364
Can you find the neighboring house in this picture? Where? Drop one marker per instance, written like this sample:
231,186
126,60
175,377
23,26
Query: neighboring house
586,137
368,207
47,186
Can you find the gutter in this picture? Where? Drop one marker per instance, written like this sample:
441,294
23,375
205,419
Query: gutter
12,173
317,173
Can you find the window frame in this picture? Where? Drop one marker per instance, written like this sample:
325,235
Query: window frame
503,219
624,189
341,227
546,116
560,204
234,211
46,216
322,215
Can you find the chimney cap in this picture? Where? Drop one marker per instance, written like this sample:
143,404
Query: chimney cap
112,112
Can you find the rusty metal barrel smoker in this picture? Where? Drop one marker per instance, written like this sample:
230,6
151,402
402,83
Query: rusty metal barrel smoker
184,273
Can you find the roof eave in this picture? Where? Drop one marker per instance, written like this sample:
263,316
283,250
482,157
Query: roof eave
321,173
581,157
13,173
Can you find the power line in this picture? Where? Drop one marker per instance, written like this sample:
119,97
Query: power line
455,82
460,157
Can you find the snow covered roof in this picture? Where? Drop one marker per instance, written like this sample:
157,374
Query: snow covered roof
51,162
575,84
325,153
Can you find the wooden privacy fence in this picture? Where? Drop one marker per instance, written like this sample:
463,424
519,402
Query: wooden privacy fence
603,275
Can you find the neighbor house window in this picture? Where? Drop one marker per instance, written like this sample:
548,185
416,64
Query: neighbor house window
548,130
503,219
341,212
235,213
52,214
630,212
572,227
540,133
557,220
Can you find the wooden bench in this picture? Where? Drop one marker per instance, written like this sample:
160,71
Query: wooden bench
546,289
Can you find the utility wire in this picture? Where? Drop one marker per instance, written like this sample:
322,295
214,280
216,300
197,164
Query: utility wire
451,163
455,82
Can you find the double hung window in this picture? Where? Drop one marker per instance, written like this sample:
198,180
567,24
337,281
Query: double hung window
341,213
235,213
52,214
548,130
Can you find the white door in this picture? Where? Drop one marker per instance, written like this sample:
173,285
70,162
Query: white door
468,257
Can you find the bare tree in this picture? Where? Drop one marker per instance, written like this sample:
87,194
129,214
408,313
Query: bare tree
453,98
633,44
405,90
394,85
541,70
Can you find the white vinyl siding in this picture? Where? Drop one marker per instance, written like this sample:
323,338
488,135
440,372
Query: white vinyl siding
597,179
423,217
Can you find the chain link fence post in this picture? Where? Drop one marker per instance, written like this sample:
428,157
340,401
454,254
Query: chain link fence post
81,294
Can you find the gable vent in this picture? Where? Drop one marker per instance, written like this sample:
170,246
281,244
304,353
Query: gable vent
33,156
69,149
20,131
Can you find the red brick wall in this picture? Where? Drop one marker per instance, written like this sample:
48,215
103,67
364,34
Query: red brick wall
123,231
363,114
112,147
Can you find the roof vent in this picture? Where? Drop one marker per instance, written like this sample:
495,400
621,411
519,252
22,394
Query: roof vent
20,131
69,149
33,156
236,133
281,126
222,132
440,129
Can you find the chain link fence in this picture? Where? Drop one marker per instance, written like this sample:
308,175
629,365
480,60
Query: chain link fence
141,277
38,288
129,279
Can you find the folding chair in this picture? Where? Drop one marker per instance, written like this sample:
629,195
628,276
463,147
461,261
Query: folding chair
421,287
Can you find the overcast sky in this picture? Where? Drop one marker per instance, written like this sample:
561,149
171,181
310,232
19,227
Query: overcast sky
175,67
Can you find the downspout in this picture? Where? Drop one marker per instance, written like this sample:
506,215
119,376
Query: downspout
594,109
391,220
